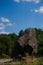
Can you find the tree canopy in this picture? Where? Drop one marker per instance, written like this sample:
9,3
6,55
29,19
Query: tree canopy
7,42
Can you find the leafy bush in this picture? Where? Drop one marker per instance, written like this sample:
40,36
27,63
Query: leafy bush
5,56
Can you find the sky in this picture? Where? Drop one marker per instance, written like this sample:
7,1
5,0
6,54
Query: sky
16,15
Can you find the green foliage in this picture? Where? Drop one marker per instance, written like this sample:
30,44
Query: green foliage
39,36
7,41
21,33
5,56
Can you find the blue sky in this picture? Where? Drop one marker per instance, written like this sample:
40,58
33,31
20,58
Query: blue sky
20,14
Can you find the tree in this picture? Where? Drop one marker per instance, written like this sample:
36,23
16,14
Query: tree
21,33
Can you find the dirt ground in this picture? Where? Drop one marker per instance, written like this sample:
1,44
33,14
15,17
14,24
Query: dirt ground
24,60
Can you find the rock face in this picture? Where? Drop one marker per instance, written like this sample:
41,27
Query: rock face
32,40
26,44
29,38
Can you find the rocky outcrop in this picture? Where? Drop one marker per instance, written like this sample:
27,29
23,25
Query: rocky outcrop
29,38
26,44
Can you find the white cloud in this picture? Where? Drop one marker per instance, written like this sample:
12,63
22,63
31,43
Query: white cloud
4,32
10,24
36,10
35,1
2,26
40,10
16,1
27,0
4,19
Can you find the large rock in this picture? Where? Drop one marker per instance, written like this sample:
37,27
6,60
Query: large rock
26,44
29,38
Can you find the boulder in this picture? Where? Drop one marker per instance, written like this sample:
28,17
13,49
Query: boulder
29,38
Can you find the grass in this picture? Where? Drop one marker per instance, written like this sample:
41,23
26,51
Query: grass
27,61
